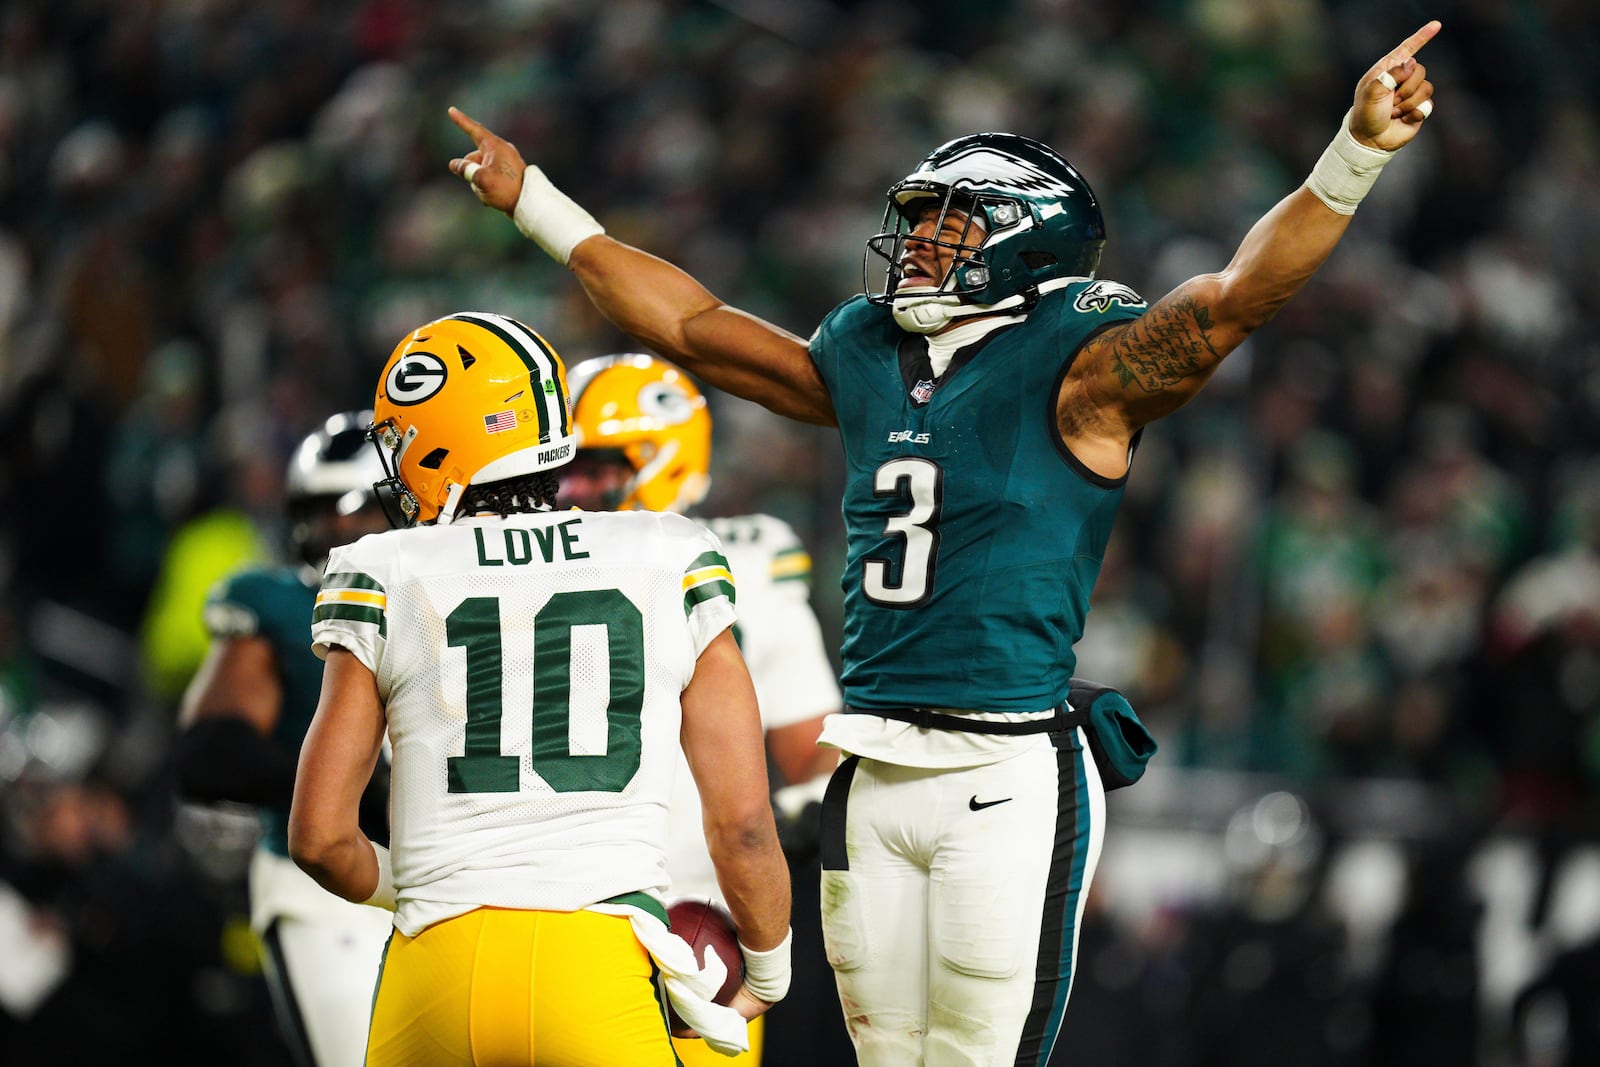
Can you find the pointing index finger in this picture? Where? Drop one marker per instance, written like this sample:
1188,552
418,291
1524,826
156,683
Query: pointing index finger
1412,45
1408,48
472,127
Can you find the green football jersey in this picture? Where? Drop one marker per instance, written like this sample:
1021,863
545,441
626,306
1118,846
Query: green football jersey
973,537
275,603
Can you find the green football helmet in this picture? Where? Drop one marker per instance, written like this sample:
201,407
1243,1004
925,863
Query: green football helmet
331,487
1042,219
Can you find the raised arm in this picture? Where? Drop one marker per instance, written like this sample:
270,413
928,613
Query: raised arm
644,295
1132,374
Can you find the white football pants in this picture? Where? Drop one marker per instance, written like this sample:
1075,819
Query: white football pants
322,959
951,901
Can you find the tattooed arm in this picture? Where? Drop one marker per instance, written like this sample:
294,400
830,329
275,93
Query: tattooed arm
1135,373
1129,375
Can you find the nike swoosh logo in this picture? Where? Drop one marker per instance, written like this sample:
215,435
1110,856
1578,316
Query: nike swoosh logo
978,805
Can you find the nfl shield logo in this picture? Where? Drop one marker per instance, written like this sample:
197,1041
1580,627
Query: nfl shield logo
922,392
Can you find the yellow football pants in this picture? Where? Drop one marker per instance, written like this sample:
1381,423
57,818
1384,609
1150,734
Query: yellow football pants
502,988
696,1053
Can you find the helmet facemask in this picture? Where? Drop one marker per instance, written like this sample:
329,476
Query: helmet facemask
399,504
968,272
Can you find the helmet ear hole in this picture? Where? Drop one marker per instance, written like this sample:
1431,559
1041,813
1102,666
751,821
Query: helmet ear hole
1035,260
435,459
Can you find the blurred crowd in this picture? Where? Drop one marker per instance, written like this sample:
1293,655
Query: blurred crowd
1370,550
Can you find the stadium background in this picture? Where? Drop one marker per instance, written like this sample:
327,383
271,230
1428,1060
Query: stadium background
1355,589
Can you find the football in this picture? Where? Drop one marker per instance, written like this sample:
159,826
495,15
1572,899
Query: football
707,926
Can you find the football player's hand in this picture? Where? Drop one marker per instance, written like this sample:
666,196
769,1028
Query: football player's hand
493,168
748,1004
744,1002
1394,96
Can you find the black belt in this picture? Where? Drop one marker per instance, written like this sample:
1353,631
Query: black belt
1064,719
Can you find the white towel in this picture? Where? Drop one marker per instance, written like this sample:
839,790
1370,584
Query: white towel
690,986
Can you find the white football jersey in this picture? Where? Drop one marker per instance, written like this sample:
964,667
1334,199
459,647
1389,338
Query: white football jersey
531,669
782,644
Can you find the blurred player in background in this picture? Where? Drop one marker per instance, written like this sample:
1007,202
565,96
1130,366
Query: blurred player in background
644,444
536,671
989,394
242,720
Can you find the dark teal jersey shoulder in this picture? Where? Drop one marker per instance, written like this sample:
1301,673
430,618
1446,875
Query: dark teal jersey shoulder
275,603
974,537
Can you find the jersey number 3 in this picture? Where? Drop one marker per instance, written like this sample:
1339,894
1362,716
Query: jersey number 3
475,626
919,484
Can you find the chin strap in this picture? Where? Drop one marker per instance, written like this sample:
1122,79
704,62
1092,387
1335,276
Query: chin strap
452,501
929,311
926,312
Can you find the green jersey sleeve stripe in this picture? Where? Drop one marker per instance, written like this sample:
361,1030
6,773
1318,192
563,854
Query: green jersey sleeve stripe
708,559
351,580
352,613
698,595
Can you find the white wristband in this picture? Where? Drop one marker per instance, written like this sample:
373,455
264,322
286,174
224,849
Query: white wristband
550,218
383,896
1345,172
767,974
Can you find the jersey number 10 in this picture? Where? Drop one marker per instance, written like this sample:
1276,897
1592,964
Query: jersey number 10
475,626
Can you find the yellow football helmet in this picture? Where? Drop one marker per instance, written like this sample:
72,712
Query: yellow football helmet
650,412
464,400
